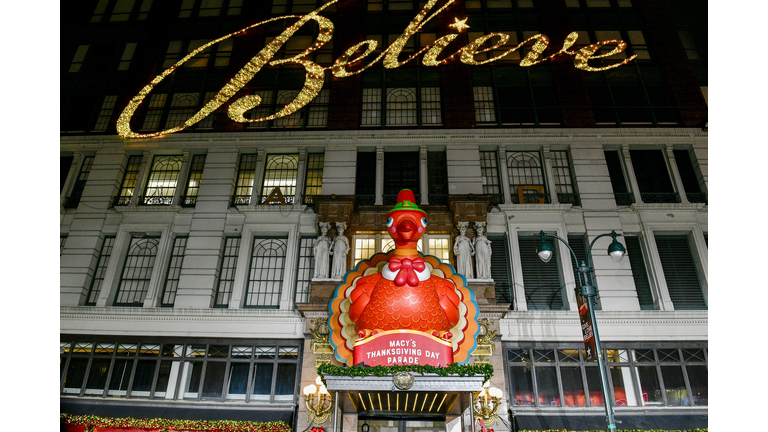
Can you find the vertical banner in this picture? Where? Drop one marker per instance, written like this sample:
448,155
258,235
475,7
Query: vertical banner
586,327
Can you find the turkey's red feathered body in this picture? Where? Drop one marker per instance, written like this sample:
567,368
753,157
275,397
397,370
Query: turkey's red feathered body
406,307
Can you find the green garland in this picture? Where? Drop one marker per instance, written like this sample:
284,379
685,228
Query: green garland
165,425
620,430
454,369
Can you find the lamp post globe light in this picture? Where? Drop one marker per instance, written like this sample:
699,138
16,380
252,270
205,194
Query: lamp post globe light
587,280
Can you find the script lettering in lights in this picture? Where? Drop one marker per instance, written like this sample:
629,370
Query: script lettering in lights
315,73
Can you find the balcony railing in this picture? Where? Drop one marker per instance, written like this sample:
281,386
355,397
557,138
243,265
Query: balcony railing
569,198
660,198
697,197
157,200
624,199
188,201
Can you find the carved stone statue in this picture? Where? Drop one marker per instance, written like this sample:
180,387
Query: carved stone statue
482,252
322,248
339,250
464,250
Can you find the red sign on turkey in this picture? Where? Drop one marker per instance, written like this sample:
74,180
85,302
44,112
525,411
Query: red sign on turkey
403,347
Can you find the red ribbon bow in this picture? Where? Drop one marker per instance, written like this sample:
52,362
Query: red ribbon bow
407,273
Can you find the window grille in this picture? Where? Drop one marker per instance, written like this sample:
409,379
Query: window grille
653,177
401,107
137,271
313,183
105,113
154,111
489,170
181,369
304,270
128,184
183,106
562,377
101,268
564,181
526,177
284,97
401,171
227,272
430,106
484,106
163,177
371,115
280,171
174,272
193,183
246,170
265,278
79,186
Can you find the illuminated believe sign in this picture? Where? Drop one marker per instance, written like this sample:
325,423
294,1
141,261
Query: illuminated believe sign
315,74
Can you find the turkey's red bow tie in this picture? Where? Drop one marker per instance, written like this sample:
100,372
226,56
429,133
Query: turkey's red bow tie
408,268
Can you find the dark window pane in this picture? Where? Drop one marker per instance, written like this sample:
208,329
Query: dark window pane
639,273
286,382
521,385
121,375
192,375
649,385
651,171
262,381
142,381
595,388
238,381
365,182
214,380
75,375
698,378
546,383
401,171
573,388
674,384
163,380
615,172
687,173
97,377
623,388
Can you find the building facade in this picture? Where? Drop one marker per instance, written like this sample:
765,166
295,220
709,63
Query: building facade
188,276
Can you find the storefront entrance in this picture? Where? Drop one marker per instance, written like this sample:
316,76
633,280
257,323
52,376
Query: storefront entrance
379,424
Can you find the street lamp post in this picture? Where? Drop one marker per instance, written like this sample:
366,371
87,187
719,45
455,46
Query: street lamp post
587,279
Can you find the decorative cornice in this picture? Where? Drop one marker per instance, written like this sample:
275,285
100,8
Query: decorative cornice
173,314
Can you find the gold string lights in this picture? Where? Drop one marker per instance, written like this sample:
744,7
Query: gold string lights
315,74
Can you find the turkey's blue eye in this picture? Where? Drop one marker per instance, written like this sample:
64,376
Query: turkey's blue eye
424,222
389,222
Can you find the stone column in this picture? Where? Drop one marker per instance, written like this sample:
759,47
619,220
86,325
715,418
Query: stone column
676,179
631,173
423,176
183,174
549,174
379,176
141,179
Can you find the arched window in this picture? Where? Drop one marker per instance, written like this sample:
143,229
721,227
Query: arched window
526,178
137,271
265,278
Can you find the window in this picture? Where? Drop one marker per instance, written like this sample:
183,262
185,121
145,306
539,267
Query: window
401,171
526,178
101,269
210,8
689,177
615,170
500,268
639,273
163,177
484,107
193,183
313,183
137,271
541,281
489,170
281,7
154,111
680,272
265,278
280,172
304,270
128,184
227,371
246,169
437,177
82,178
403,106
365,178
652,176
371,107
546,376
227,272
564,181
183,106
366,246
105,114
79,57
124,8
314,115
125,59
168,296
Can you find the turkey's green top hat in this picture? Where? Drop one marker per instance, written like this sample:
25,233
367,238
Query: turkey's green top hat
406,201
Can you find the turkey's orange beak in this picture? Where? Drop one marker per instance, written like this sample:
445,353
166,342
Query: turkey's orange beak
406,229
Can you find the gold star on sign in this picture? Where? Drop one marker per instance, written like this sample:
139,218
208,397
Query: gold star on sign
459,25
